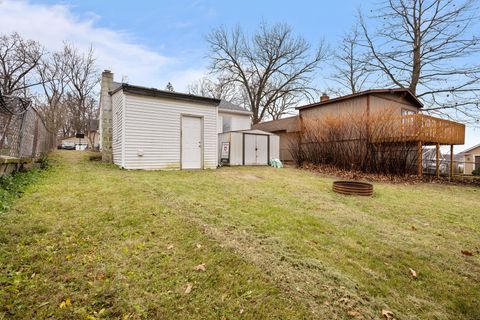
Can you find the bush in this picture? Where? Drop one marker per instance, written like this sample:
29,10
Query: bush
358,142
476,172
95,157
12,186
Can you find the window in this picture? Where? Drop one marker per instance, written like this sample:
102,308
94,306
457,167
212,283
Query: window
227,124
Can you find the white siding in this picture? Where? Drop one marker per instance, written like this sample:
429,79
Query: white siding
117,127
153,132
239,121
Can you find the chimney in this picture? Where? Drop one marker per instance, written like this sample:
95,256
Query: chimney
106,86
324,97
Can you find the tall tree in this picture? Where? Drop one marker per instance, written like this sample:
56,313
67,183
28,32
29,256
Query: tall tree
269,66
169,87
83,77
351,63
429,47
18,60
53,73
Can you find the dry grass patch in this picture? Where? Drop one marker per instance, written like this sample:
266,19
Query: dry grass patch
120,243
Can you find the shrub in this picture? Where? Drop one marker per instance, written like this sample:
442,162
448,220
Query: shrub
95,157
360,142
12,186
476,172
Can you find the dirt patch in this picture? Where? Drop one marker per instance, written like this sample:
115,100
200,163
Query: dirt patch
331,171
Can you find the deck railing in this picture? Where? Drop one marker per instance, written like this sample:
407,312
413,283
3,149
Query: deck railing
423,128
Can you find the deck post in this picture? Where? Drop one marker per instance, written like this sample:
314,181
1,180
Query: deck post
437,160
419,159
451,161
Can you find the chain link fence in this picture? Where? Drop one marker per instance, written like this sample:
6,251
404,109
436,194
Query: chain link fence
23,133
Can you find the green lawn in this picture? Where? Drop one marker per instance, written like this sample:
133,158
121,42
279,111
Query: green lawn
90,241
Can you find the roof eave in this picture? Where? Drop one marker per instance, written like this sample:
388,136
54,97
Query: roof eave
360,94
152,92
235,111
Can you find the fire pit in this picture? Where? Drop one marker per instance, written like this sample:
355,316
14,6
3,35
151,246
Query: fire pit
353,188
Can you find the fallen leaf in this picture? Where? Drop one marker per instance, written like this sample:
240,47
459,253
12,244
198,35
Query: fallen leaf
354,313
170,247
467,253
413,272
198,245
413,228
387,314
200,267
241,311
188,289
65,303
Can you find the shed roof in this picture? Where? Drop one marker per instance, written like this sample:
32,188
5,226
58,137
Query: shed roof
408,94
290,124
153,92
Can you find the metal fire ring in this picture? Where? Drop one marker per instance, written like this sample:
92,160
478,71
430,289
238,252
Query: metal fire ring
353,188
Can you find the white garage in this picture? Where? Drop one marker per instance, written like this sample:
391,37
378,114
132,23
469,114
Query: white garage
248,147
151,129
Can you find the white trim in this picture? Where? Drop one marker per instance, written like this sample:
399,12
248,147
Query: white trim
202,120
124,120
246,112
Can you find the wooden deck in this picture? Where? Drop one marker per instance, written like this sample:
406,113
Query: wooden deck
425,129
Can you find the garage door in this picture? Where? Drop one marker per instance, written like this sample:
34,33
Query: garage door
192,143
256,149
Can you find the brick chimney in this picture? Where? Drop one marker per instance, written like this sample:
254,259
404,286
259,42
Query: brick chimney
106,86
324,97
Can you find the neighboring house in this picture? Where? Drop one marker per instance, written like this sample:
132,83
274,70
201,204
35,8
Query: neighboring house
147,128
232,117
470,159
411,125
287,129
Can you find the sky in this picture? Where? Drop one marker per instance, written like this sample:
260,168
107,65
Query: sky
151,43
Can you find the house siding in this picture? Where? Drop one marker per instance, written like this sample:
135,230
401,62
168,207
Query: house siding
469,160
153,127
118,101
239,121
357,106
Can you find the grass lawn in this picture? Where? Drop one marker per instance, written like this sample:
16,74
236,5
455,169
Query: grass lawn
90,241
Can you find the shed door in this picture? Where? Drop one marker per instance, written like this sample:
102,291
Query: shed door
262,150
477,162
192,143
249,149
256,149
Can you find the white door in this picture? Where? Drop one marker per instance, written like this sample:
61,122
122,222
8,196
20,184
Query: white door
256,149
249,150
262,150
192,142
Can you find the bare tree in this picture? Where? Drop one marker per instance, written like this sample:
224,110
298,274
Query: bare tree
169,87
429,46
83,77
18,60
350,63
218,89
270,65
53,73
